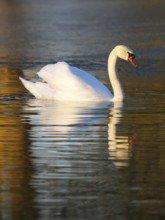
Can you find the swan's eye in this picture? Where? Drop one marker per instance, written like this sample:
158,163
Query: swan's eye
131,55
131,58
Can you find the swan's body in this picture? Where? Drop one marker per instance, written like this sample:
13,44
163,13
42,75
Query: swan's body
64,82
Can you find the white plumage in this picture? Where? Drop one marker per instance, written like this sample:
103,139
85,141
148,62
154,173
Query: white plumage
64,82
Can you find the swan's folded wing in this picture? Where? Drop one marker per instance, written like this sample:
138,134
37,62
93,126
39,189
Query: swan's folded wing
73,82
59,76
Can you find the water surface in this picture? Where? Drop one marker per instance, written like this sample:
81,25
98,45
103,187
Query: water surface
63,160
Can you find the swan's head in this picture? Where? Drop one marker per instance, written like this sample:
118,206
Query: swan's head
125,53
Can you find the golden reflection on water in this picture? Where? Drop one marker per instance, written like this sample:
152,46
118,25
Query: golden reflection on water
15,171
10,85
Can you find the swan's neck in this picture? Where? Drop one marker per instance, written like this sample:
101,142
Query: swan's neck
116,86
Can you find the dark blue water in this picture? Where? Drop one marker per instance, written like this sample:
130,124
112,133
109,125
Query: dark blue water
82,161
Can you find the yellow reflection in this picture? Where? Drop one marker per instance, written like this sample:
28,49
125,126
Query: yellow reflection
9,83
14,164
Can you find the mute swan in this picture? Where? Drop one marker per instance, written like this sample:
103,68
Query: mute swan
64,82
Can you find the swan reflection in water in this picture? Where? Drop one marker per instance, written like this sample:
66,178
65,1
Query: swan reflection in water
118,145
67,124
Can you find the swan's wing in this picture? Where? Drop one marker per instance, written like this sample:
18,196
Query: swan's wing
64,78
58,76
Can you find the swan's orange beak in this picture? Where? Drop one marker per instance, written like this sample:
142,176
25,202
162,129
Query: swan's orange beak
131,59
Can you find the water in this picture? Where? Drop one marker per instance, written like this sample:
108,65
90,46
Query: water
78,160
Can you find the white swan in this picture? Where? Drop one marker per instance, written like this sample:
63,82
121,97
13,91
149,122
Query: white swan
64,82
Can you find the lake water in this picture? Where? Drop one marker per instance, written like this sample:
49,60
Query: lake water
82,160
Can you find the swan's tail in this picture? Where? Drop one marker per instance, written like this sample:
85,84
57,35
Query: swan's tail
26,83
39,90
31,87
